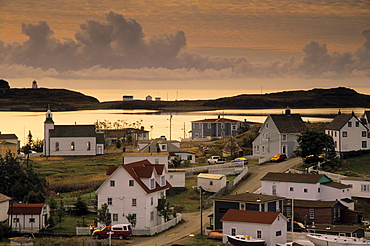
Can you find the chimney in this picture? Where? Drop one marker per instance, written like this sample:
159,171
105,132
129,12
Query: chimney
339,113
287,111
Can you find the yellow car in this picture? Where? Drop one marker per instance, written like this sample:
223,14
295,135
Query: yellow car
278,157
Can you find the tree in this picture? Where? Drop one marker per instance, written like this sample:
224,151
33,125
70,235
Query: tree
80,206
19,182
29,138
118,143
4,84
104,216
244,127
131,219
312,142
164,209
59,212
176,162
37,145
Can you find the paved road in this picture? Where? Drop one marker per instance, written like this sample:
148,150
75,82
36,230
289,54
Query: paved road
192,220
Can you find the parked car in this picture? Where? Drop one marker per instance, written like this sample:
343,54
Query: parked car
312,159
278,157
120,231
215,160
241,159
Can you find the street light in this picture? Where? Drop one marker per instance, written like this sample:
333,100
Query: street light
200,189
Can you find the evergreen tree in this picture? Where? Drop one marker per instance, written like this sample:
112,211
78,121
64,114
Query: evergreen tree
80,207
104,216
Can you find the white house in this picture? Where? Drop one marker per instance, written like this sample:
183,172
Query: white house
176,177
134,189
71,140
278,134
149,98
127,98
26,218
211,182
360,186
316,187
162,145
269,226
348,133
219,127
4,206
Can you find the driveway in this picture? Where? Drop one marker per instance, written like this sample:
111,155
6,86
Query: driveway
192,220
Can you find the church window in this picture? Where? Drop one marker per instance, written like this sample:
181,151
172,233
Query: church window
73,146
57,146
88,145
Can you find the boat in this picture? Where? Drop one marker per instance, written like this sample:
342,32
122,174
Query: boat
335,240
215,234
240,240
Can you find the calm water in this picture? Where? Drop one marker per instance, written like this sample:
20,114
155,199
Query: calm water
21,122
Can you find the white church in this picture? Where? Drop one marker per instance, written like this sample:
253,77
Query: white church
71,140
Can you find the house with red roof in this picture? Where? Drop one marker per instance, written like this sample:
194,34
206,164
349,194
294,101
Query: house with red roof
135,188
214,128
269,226
28,218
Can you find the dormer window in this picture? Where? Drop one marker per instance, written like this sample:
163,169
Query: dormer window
163,180
152,183
164,147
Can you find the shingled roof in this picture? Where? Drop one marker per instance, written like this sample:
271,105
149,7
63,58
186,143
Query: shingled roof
73,131
24,208
154,145
339,121
217,120
8,136
311,204
143,169
4,198
249,197
295,177
288,123
250,216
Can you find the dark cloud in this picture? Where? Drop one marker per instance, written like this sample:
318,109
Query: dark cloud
119,44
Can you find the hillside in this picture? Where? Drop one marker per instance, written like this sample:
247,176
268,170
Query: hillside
38,100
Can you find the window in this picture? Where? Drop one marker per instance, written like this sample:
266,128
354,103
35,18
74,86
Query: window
189,158
209,126
171,176
110,201
284,138
200,125
222,125
210,182
112,183
363,134
259,234
152,183
73,146
365,188
267,125
131,182
312,213
305,190
263,149
56,146
318,190
335,134
115,217
364,144
357,124
233,127
274,189
164,147
349,124
151,201
133,202
291,188
233,231
32,220
278,233
344,134
288,211
88,145
151,216
163,180
16,220
156,161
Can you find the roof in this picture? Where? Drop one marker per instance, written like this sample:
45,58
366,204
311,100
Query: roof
356,178
249,197
8,136
335,228
337,185
154,145
145,154
114,133
24,208
217,120
4,198
143,169
73,131
310,203
3,142
211,176
100,138
339,121
295,177
250,216
288,123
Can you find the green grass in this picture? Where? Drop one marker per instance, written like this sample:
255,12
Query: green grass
358,165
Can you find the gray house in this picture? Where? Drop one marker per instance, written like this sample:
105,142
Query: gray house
214,128
278,134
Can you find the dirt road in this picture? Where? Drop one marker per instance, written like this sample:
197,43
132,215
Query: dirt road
192,220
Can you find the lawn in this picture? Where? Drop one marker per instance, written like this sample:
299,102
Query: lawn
358,165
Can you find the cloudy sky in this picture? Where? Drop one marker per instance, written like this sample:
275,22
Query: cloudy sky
185,44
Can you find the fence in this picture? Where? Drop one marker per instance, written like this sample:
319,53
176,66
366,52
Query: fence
189,172
227,171
83,231
156,229
226,187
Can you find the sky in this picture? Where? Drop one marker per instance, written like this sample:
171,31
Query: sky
161,44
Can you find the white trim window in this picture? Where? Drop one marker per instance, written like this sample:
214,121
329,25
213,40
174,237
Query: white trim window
151,183
311,212
134,202
110,201
365,188
163,180
284,138
233,232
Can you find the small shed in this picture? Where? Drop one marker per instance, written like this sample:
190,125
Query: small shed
211,182
127,98
176,177
149,98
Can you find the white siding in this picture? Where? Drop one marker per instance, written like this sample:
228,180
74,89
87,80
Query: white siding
79,149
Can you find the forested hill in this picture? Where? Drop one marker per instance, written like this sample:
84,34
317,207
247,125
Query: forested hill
340,97
38,100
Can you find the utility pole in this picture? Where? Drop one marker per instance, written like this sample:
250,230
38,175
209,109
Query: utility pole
201,212
170,125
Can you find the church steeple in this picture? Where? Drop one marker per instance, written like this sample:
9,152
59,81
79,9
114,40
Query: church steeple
49,116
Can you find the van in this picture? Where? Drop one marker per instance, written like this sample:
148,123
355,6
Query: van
120,231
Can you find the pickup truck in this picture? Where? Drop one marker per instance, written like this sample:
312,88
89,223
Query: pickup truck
215,160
